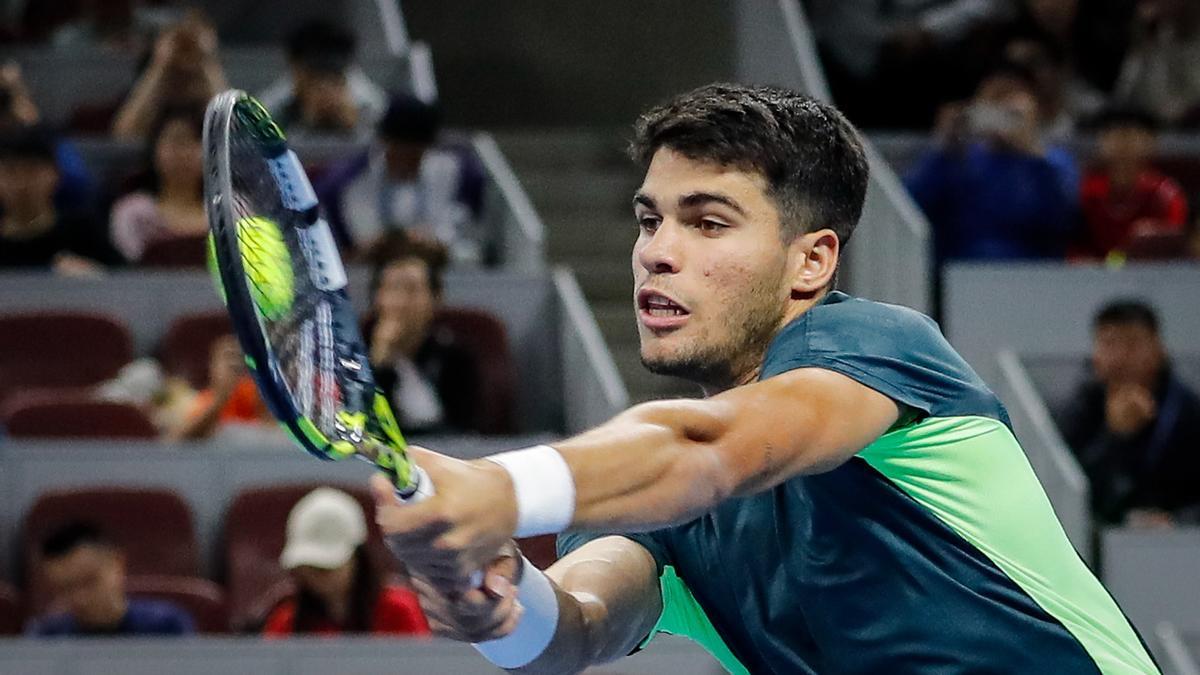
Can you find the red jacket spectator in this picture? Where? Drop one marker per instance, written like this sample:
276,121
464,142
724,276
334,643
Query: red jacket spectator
1154,204
397,612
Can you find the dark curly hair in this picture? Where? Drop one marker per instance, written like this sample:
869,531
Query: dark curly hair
810,155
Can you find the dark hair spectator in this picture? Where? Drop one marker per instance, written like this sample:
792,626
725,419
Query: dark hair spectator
408,182
170,201
85,572
1129,208
429,378
338,589
1134,425
326,92
993,189
35,232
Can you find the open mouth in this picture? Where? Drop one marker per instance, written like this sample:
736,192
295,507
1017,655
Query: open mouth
659,310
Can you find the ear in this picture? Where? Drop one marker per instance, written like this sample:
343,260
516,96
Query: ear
813,260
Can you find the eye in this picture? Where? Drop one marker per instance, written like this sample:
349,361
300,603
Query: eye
710,226
649,223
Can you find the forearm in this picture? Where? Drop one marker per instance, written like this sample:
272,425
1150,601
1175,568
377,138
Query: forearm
133,120
608,602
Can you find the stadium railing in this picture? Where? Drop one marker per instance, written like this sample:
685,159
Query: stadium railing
889,257
508,213
1175,654
254,656
1051,459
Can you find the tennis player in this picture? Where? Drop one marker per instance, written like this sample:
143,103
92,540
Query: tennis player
849,497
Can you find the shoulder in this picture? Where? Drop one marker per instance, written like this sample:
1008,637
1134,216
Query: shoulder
399,611
52,624
281,620
894,350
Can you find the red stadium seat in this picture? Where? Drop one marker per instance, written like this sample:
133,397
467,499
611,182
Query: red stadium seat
184,350
153,527
542,550
484,336
201,598
255,530
11,612
69,413
60,349
176,252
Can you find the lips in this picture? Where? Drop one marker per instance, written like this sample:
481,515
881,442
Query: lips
659,311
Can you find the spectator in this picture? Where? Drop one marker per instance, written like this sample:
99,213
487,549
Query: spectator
18,111
429,379
85,572
890,63
992,189
171,201
230,399
338,588
406,182
326,93
34,231
183,69
1134,426
1128,207
1160,73
1064,99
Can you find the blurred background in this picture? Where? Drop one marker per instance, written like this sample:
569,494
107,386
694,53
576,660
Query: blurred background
1035,169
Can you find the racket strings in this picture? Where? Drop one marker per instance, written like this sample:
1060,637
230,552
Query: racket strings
302,336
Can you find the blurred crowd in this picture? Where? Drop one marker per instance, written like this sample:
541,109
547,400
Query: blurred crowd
1046,117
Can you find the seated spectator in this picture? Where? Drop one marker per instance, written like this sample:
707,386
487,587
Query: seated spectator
427,377
338,590
18,111
85,572
1134,426
231,398
992,190
890,64
1160,72
170,201
1064,98
183,70
326,93
34,231
1129,207
407,183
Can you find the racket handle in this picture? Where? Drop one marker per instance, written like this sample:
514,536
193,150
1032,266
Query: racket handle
424,490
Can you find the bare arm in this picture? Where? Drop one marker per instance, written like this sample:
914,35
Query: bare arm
667,462
608,601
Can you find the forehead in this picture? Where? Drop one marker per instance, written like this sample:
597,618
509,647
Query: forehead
1125,331
672,174
402,270
84,557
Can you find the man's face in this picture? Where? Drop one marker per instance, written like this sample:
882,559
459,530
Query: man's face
1126,146
709,269
27,181
1127,354
90,582
404,293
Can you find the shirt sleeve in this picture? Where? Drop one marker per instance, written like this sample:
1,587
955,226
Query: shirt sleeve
568,542
894,350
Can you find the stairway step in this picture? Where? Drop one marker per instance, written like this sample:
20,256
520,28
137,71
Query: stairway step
563,148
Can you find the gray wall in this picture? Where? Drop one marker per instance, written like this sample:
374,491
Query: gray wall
1047,308
253,656
550,63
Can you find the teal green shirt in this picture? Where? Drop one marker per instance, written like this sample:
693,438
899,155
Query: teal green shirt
933,550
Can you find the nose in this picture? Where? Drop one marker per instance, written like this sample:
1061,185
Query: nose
659,251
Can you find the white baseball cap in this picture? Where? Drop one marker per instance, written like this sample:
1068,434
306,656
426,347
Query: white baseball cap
323,530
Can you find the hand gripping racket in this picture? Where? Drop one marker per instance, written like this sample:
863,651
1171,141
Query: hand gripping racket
285,287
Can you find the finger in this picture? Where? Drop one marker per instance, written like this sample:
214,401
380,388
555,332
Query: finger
497,586
383,490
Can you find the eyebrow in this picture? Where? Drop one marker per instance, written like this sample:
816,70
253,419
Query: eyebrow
692,200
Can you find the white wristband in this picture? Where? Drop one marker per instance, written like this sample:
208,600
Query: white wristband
536,627
544,487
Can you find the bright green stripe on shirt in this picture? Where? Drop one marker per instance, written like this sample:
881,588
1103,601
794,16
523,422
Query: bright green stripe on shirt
972,474
682,615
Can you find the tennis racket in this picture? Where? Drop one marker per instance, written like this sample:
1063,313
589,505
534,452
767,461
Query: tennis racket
285,287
